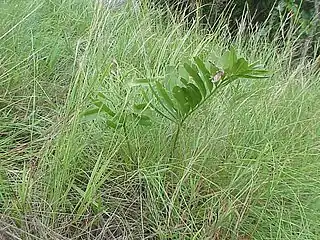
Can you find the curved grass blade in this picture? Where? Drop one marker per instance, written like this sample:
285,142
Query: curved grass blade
141,119
103,107
144,94
140,107
113,125
90,114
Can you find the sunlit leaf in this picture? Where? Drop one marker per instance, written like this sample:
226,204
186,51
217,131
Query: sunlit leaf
90,114
140,107
205,73
183,73
144,120
141,82
113,124
229,59
103,107
240,66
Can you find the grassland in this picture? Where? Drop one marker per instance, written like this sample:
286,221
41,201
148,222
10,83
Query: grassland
246,165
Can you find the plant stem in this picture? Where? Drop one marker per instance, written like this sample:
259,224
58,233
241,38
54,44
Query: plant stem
175,139
127,141
179,125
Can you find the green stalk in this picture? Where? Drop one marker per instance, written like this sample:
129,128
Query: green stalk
175,139
125,131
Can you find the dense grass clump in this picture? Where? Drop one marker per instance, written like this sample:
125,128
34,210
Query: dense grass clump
245,165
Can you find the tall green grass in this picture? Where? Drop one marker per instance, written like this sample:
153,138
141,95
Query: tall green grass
246,165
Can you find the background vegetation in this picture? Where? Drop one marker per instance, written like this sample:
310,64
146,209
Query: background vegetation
276,14
246,165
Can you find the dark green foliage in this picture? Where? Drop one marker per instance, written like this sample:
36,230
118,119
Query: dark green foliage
115,119
197,82
210,10
303,15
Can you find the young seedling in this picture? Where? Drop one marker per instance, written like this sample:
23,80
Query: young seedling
197,82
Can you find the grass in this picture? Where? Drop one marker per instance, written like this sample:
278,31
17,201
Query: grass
246,165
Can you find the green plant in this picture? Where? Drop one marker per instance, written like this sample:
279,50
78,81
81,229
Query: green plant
115,119
192,84
247,169
197,82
